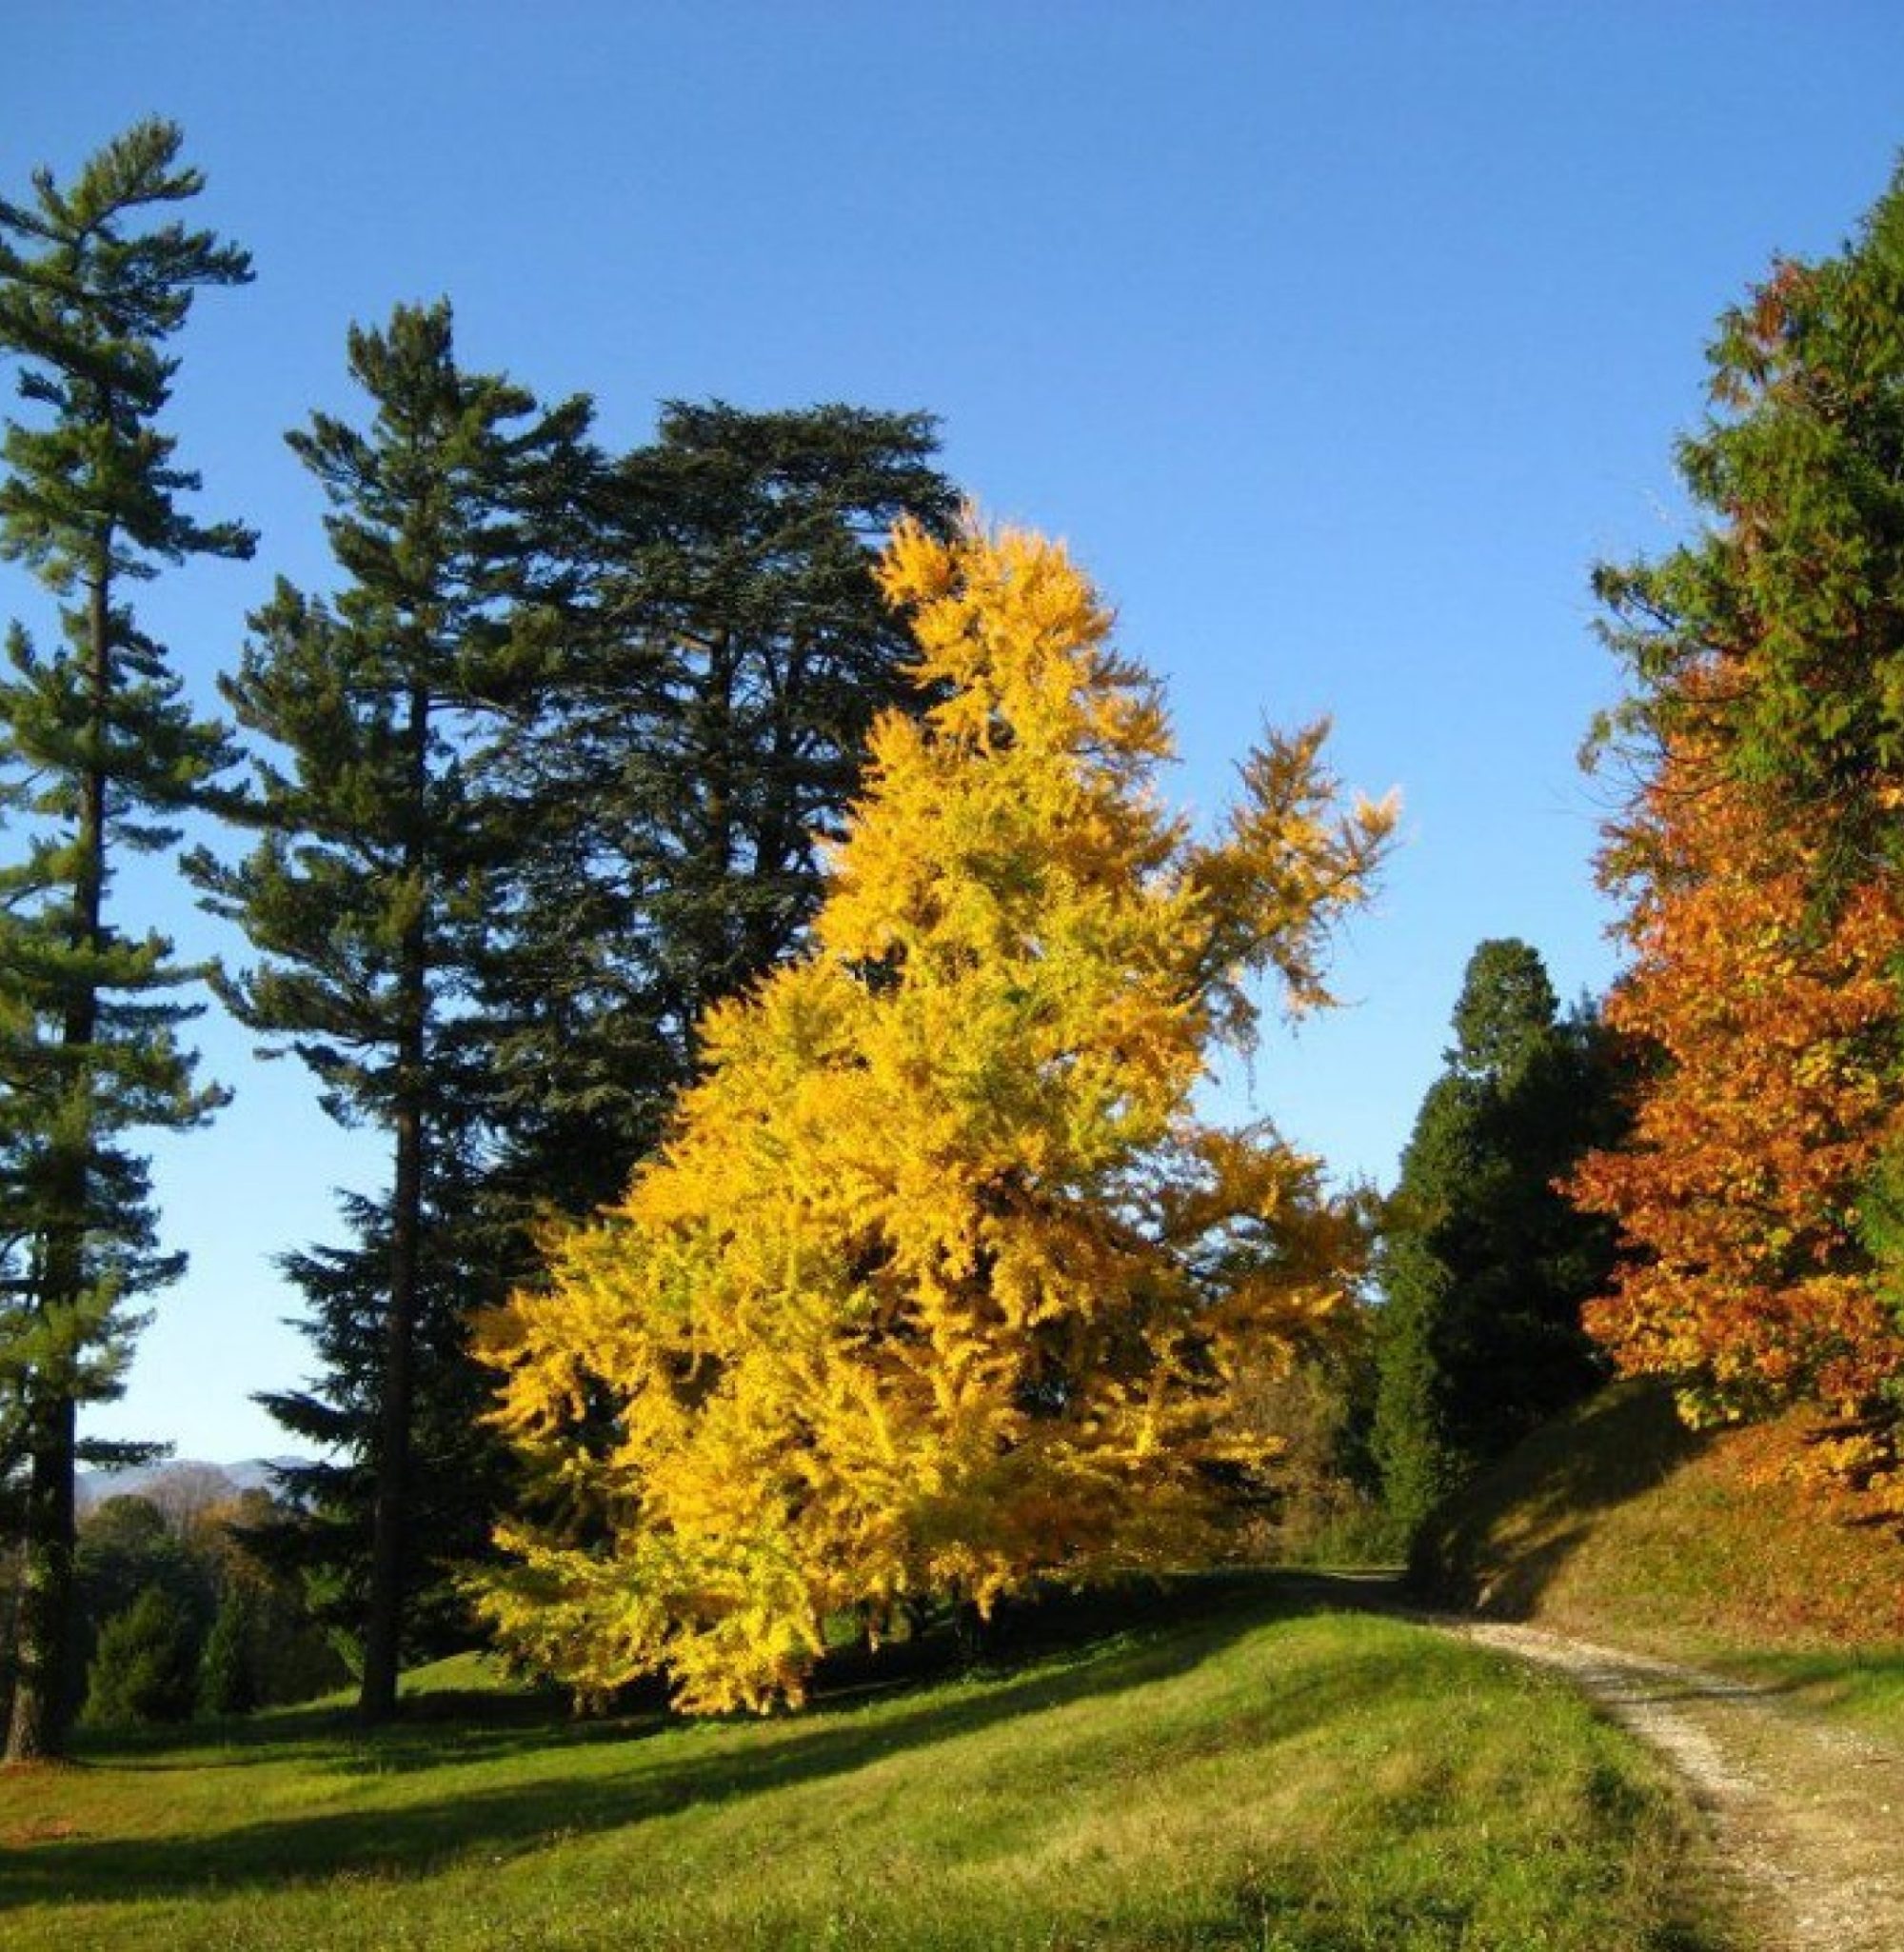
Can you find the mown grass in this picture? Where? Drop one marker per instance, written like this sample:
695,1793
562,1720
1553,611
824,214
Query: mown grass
1228,1775
1617,1524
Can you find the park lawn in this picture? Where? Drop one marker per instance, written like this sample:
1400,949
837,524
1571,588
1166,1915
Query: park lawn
1228,1773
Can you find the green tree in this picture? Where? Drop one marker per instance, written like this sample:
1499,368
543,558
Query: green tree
367,899
125,1546
145,1668
691,734
1775,636
228,1681
321,1534
98,753
1484,1264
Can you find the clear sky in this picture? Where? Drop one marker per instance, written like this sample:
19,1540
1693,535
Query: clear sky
1339,339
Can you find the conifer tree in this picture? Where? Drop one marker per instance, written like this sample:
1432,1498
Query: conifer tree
697,724
938,1286
1484,1264
227,1683
369,897
98,753
146,1667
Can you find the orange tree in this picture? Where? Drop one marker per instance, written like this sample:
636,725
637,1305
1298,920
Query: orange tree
939,1286
1766,1108
1764,1194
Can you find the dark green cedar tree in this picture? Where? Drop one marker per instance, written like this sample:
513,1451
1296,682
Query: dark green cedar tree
369,897
228,1681
1484,1265
145,1668
683,756
99,754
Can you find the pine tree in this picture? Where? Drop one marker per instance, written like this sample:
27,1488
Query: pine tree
98,753
227,1683
458,1478
938,1286
369,897
1484,1264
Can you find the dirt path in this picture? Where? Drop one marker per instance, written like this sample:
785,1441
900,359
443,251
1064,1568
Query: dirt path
1807,1818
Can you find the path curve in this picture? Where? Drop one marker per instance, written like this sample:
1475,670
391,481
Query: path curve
1808,1817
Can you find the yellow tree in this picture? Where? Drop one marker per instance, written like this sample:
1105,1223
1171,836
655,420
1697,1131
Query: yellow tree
939,1286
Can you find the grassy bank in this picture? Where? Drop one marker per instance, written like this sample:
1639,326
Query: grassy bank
1618,1523
1228,1774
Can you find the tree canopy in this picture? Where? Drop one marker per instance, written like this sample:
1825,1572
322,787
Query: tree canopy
1758,858
938,1284
1484,1262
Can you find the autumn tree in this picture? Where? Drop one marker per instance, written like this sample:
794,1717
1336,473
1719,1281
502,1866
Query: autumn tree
1758,857
938,1283
1768,1107
367,900
99,752
1484,1262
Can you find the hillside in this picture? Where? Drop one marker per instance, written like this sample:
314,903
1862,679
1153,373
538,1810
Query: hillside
1617,1524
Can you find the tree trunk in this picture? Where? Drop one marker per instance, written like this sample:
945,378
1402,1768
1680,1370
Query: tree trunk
44,1649
389,1523
43,1679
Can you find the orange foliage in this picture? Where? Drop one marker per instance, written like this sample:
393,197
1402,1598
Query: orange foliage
1759,1127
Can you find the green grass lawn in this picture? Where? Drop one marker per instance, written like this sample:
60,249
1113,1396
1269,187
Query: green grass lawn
1228,1772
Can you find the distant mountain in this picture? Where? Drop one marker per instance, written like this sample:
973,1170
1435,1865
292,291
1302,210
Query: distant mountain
248,1474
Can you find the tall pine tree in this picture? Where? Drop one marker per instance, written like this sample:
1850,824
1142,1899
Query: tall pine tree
369,897
98,753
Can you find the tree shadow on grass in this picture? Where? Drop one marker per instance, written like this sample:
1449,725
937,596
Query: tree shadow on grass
1079,1650
438,1730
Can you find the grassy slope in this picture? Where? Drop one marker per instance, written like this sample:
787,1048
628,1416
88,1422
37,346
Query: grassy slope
1233,1776
1619,1524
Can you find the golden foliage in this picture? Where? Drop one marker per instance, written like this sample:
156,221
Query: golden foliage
938,1286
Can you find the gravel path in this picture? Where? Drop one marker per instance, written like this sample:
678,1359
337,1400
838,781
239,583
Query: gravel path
1807,1818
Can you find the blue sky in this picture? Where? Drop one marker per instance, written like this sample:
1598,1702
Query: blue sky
1340,340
